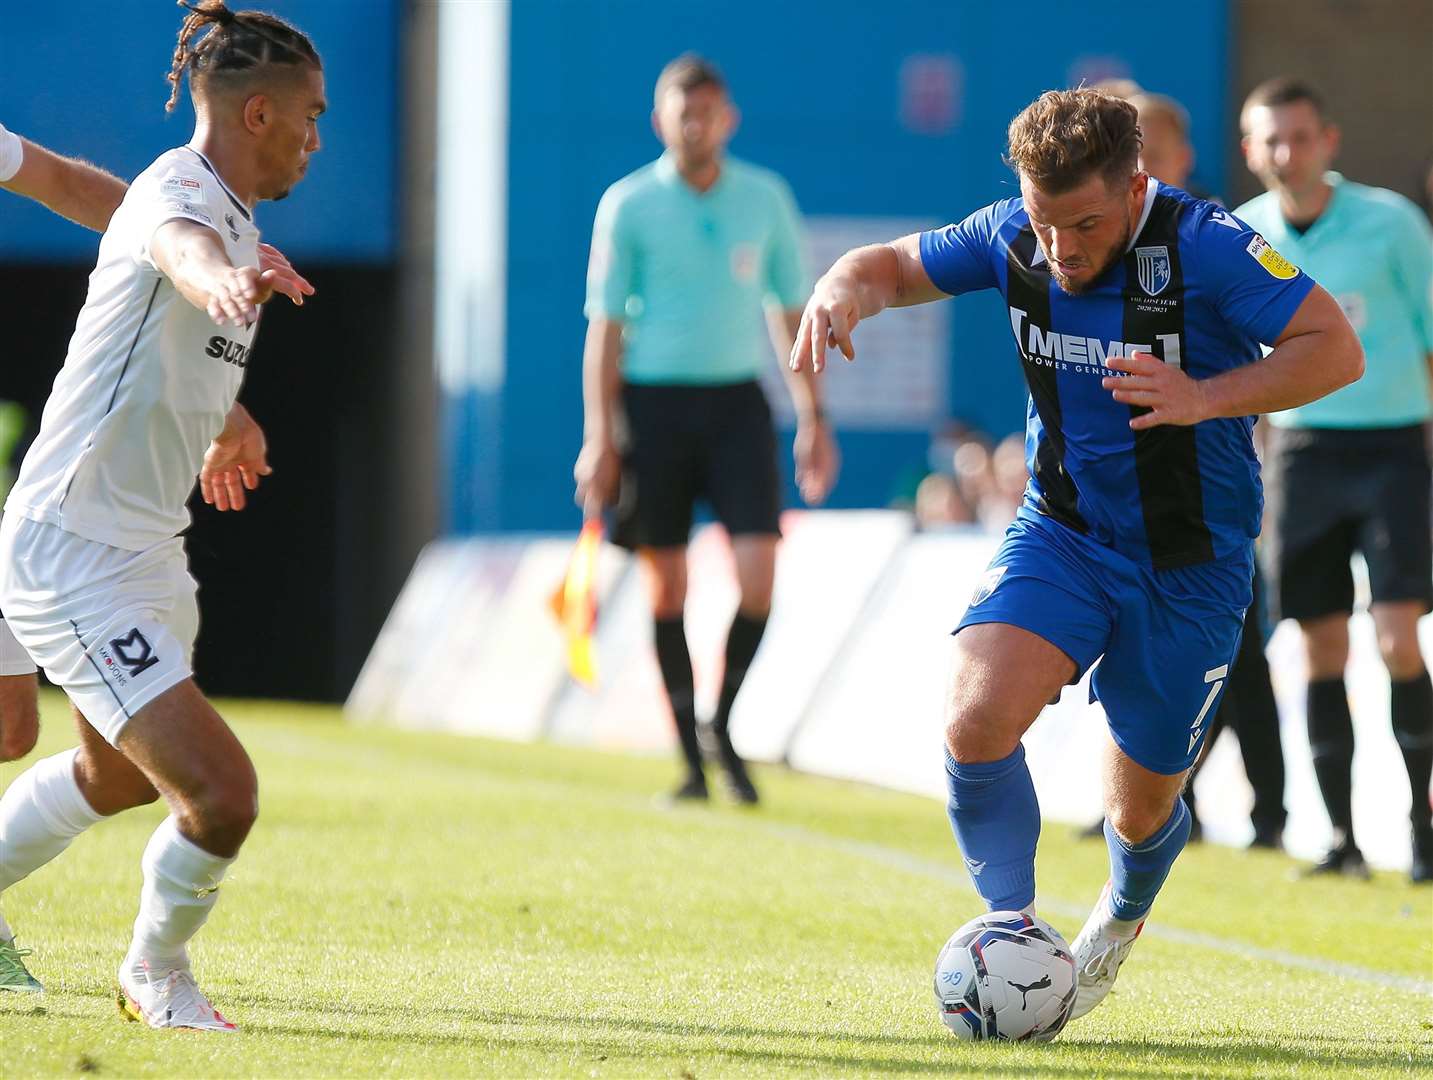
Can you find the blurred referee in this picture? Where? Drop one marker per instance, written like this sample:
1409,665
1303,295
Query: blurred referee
1350,472
687,252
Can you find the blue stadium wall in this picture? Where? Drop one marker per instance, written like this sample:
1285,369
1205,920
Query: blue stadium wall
819,84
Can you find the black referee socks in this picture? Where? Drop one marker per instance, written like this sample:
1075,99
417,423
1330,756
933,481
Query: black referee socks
1331,742
1413,728
676,663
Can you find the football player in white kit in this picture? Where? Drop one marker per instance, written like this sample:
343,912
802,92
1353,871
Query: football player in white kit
93,576
88,195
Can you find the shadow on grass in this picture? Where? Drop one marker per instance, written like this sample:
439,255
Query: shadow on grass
613,1039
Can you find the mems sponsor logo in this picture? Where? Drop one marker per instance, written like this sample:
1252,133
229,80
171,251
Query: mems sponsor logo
1069,352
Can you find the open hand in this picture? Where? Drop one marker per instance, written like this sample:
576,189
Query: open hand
285,279
235,298
233,464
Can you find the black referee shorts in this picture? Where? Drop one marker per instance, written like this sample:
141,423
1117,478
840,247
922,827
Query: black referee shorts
685,443
1335,491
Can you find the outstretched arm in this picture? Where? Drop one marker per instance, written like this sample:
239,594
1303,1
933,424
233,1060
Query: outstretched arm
862,283
72,188
193,258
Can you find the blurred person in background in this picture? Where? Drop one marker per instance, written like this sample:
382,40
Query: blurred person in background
1248,706
1138,314
1007,466
1166,152
939,503
1350,472
687,254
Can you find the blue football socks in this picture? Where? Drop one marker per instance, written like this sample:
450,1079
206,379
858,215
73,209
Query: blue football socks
1137,871
996,820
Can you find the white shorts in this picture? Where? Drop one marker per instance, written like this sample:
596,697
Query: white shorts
114,628
14,660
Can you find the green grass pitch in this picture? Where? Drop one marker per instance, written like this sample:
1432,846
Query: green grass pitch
426,905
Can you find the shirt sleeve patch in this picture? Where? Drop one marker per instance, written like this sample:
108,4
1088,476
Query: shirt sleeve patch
181,187
1265,255
185,209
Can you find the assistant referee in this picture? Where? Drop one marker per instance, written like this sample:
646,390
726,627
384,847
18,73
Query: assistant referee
1350,472
687,254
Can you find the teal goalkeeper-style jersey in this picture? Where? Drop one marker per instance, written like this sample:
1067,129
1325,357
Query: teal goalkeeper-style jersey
689,272
1373,250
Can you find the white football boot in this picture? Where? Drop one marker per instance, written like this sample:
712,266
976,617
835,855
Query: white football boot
172,1000
1101,948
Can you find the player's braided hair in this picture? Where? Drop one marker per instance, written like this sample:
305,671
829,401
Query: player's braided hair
236,45
1065,135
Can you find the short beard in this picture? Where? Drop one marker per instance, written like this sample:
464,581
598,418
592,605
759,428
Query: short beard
1118,253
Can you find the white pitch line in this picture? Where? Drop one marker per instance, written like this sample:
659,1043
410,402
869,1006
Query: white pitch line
289,742
911,864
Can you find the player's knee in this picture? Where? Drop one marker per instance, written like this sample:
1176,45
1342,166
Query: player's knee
19,721
976,733
756,601
112,785
1326,645
16,739
224,812
669,594
1137,821
1401,655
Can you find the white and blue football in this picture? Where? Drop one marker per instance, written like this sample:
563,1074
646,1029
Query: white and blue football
1005,975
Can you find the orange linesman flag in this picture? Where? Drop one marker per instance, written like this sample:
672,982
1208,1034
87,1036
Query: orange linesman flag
575,604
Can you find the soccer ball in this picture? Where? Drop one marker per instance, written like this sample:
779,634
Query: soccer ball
1005,975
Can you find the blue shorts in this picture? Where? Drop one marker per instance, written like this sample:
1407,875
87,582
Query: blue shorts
1167,637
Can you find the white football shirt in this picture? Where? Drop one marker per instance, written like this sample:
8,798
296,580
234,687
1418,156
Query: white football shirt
148,379
12,152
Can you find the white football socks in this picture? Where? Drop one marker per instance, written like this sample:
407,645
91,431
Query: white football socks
40,814
181,882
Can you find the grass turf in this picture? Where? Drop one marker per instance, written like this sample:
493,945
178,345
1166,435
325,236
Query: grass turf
426,905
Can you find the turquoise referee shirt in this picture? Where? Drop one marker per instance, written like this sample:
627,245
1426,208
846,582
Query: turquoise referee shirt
1373,250
689,272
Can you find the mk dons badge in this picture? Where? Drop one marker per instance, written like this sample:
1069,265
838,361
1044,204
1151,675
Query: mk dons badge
1153,267
1271,260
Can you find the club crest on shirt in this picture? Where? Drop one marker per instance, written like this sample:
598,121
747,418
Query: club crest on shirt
1152,264
987,584
744,258
1265,255
233,227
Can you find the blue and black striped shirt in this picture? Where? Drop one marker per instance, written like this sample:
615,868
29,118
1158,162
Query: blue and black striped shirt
1197,288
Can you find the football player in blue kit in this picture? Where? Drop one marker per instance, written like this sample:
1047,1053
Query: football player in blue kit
1138,313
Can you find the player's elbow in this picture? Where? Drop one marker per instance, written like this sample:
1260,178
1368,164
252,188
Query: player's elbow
1350,357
